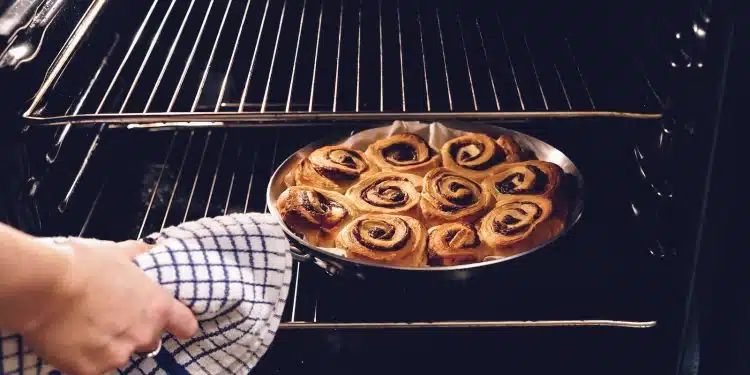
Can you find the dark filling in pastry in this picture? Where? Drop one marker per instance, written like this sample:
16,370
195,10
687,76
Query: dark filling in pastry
406,154
433,259
320,205
508,224
335,174
381,231
508,185
451,234
323,211
343,158
385,196
460,194
510,220
464,157
401,151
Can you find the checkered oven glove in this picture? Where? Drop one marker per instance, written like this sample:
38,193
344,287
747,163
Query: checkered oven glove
232,271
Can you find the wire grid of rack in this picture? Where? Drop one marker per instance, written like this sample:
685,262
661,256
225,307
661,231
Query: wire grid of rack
219,61
183,175
211,63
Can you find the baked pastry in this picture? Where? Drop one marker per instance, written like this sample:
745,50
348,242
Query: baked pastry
315,214
406,152
388,193
448,196
451,244
478,156
391,239
511,227
333,168
532,177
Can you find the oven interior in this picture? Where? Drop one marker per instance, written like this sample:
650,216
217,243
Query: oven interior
99,166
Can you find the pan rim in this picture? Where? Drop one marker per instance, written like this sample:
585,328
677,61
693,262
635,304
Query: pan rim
572,219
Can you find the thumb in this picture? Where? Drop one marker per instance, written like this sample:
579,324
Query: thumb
181,322
133,248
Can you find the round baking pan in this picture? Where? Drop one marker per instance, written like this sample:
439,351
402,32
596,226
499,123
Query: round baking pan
337,264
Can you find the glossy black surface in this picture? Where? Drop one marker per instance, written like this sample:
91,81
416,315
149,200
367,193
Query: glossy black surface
487,351
603,270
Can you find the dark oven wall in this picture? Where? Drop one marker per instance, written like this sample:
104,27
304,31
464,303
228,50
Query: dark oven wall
616,65
18,84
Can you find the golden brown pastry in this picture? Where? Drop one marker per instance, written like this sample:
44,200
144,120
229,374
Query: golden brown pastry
315,214
333,168
448,196
404,152
532,177
511,227
388,193
451,244
391,239
478,156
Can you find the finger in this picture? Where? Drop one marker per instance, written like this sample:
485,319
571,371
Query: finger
150,347
89,241
181,322
133,248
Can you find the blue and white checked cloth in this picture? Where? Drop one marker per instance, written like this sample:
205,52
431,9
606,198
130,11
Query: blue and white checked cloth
232,271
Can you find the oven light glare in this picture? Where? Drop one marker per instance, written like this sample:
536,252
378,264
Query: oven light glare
699,32
636,212
19,52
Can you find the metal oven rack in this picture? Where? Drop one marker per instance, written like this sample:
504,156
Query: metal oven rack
226,61
192,69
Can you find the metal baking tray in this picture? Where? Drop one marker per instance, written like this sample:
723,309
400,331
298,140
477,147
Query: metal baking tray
338,264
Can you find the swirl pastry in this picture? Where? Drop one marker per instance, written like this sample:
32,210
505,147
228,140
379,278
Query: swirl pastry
316,214
391,239
533,177
447,196
405,152
478,156
388,193
333,168
454,243
510,227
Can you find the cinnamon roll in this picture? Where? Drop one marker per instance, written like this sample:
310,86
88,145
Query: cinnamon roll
451,244
388,193
533,177
333,168
510,228
478,156
448,196
390,239
315,214
405,152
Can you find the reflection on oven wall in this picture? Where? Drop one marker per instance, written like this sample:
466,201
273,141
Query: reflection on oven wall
658,151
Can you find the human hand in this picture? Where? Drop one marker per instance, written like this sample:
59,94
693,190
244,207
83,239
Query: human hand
102,310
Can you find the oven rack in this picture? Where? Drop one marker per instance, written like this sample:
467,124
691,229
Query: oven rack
169,177
159,76
255,62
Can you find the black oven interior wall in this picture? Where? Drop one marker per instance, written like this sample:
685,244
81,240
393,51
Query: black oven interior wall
633,55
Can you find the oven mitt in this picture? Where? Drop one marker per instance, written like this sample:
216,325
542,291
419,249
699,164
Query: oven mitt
232,271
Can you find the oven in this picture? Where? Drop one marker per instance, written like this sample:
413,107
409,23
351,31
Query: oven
122,117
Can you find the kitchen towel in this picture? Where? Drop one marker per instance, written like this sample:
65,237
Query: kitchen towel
233,272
